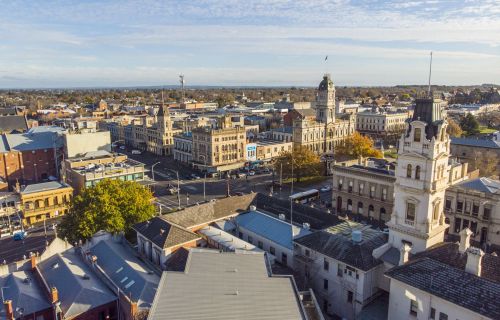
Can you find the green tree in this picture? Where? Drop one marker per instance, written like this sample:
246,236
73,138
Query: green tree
305,163
357,146
453,128
485,162
469,125
111,205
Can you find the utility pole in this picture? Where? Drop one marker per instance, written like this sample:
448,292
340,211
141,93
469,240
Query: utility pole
178,190
281,175
227,187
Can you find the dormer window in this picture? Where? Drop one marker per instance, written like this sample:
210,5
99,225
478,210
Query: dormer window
417,134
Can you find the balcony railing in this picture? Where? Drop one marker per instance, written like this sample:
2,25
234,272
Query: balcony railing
30,210
410,222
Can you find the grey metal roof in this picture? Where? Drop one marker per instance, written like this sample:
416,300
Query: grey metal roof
482,184
225,285
13,123
35,140
336,242
481,143
454,285
25,292
44,186
79,288
391,256
127,272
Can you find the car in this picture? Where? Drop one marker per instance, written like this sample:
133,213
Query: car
242,175
251,173
20,235
326,188
122,147
195,176
172,190
136,152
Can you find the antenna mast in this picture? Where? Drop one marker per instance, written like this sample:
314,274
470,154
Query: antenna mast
181,80
430,74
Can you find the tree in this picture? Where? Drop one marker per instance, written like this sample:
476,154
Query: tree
453,128
305,163
357,145
486,162
469,124
490,119
111,205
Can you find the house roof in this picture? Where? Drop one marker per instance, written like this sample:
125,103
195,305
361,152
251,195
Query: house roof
275,230
211,211
44,186
225,285
22,288
79,288
455,285
127,272
13,123
482,184
336,242
35,140
164,234
480,143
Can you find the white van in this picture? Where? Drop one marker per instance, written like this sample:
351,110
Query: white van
136,152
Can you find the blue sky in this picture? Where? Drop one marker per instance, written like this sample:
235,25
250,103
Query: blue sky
69,43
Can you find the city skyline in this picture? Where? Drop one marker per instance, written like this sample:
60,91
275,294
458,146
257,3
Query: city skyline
260,43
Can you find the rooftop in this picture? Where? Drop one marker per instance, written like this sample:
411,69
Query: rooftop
222,285
275,230
13,123
336,242
35,139
482,184
79,288
472,142
457,286
44,186
127,272
164,234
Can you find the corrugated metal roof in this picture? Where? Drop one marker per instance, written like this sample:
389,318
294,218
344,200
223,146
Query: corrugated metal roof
127,272
482,184
275,230
32,141
223,286
481,143
79,288
44,186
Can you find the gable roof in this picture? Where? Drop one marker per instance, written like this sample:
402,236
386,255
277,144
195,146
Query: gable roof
79,288
480,143
336,243
127,272
164,234
278,231
482,184
457,286
225,285
25,293
13,123
211,211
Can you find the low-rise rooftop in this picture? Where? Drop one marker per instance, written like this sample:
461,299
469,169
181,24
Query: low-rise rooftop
44,186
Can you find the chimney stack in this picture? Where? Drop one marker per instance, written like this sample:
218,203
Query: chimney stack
9,311
404,254
464,240
474,258
54,295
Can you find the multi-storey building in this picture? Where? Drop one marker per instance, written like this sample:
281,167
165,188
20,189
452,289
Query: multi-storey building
475,204
183,147
45,200
87,171
270,149
323,133
381,123
365,191
219,150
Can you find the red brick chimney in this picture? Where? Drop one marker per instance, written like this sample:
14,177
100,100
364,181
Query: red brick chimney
9,311
54,295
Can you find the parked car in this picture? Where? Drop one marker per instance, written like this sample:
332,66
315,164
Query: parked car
136,152
172,190
195,176
242,175
122,147
20,235
326,188
251,173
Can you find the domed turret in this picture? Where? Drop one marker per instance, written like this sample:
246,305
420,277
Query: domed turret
326,83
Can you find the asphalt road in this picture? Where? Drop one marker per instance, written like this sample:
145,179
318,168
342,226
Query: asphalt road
11,250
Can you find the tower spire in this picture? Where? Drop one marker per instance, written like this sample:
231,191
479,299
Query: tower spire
430,74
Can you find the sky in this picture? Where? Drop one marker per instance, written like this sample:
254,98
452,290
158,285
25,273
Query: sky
90,43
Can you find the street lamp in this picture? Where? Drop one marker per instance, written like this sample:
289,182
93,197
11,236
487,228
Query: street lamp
153,170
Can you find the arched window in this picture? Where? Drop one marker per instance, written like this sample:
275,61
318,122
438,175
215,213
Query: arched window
349,205
408,171
435,213
370,210
417,172
417,135
360,207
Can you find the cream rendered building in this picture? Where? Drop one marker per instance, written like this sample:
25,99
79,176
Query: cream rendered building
322,134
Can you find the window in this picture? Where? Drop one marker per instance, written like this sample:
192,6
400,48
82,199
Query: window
413,307
458,225
326,265
384,194
448,204
475,209
410,211
432,316
372,191
417,173
486,213
349,296
250,239
435,213
443,316
325,284
349,189
340,273
408,171
460,206
361,188
260,244
360,207
272,250
417,134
